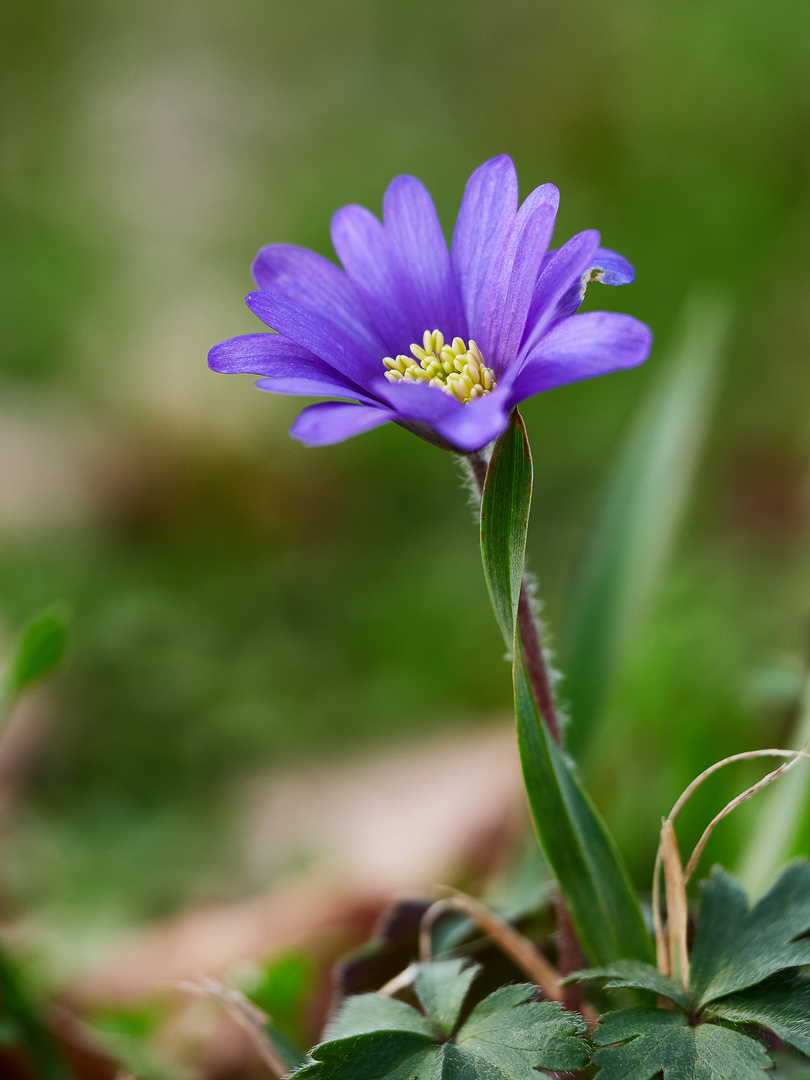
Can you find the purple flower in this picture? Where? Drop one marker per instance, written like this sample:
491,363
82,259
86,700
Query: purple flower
444,343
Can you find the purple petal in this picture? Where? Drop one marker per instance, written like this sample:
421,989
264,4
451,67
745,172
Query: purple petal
333,421
286,364
562,269
466,427
315,283
509,292
301,386
487,211
581,347
314,333
605,266
429,289
263,354
476,425
364,249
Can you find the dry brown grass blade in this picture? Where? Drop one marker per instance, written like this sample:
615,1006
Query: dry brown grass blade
399,982
665,941
249,1017
747,794
677,913
513,944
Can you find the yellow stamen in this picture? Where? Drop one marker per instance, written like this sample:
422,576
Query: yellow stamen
457,369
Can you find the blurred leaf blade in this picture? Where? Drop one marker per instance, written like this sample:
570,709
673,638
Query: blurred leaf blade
37,652
644,504
780,817
588,867
32,1033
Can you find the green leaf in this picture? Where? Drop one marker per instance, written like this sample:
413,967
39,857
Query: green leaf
507,1036
778,822
32,1034
598,893
636,975
781,1004
644,504
516,1036
505,505
442,988
363,1014
737,947
39,649
639,1044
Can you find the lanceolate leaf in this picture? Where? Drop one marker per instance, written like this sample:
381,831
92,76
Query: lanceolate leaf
781,1004
506,1036
737,947
505,509
639,1044
588,867
585,861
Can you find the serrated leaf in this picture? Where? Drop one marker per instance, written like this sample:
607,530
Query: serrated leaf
599,895
365,1013
516,1036
442,987
636,975
37,652
507,1035
639,1044
737,946
781,1004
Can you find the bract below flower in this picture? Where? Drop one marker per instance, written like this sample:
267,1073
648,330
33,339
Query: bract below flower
443,342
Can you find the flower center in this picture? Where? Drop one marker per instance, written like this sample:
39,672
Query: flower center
457,369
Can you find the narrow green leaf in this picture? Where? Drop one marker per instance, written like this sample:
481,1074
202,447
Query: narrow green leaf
634,974
600,899
737,947
505,508
39,649
781,1004
644,504
33,1036
598,893
639,1044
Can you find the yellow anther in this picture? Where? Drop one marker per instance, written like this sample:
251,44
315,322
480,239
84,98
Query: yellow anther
456,369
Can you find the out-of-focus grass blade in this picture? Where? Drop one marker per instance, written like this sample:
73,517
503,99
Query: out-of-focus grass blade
38,650
782,812
31,1033
598,894
643,506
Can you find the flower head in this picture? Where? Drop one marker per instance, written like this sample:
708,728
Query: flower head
443,342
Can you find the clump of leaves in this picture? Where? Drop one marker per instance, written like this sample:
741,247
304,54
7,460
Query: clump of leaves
507,1035
744,970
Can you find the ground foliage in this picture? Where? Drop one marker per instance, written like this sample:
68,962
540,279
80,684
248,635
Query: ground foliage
745,971
507,1035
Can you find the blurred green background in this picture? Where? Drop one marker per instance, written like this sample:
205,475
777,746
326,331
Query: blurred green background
239,601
